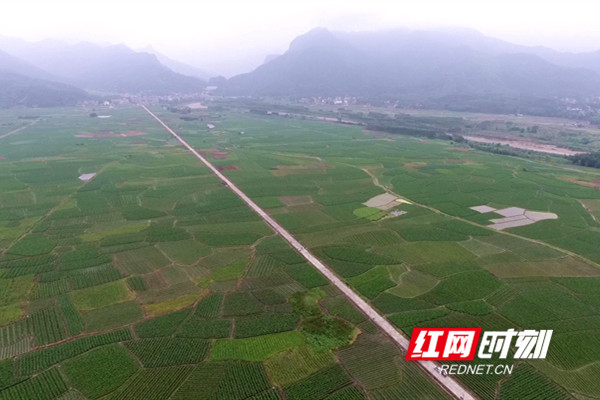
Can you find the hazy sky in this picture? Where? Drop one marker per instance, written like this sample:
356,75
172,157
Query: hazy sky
228,37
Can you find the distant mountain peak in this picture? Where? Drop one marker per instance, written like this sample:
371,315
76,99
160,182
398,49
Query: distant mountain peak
415,65
317,37
107,69
270,57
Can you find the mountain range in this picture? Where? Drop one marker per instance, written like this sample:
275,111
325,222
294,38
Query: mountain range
177,66
56,73
419,66
453,68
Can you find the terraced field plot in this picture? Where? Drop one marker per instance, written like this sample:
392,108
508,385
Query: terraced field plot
439,264
151,280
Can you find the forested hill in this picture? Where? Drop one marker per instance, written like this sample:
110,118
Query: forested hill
416,66
20,90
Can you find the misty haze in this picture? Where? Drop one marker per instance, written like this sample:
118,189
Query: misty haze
317,200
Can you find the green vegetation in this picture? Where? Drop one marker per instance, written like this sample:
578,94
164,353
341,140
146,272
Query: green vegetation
306,275
526,383
185,251
13,293
137,213
161,326
229,272
369,213
327,332
137,283
230,380
305,303
47,327
101,296
164,352
476,307
45,386
240,303
33,245
153,384
469,285
255,348
157,252
205,328
319,385
338,306
42,359
293,365
209,306
100,371
372,282
112,316
263,324
72,318
372,360
167,306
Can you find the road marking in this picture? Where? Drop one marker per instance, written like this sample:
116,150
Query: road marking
450,384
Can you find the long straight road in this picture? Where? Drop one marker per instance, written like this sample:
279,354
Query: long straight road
451,385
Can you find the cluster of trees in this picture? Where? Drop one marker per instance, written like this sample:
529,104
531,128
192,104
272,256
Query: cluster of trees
402,124
401,130
505,150
586,160
17,90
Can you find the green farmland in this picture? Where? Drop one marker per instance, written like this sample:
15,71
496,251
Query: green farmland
153,281
438,265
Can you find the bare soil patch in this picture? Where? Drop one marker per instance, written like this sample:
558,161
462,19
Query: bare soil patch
87,177
513,217
524,144
95,135
384,201
132,133
214,153
414,165
229,167
316,168
197,106
110,134
156,280
2,158
459,148
593,184
516,216
483,209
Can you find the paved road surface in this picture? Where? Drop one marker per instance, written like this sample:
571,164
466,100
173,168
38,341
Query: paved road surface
448,383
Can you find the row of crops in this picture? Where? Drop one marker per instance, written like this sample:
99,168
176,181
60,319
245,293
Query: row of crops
153,281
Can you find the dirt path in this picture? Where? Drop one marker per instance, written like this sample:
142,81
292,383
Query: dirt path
449,384
435,210
64,201
18,129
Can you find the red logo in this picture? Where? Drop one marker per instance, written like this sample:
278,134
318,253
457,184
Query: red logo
443,344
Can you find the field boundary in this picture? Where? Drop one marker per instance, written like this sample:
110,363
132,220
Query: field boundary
450,385
502,232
